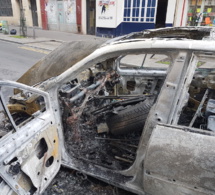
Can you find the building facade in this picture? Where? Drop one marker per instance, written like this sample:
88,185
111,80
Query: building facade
115,18
109,18
12,10
62,15
97,17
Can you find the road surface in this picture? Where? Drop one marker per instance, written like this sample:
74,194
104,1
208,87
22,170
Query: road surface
15,59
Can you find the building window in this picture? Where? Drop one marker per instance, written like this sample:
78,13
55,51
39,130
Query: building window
6,8
140,10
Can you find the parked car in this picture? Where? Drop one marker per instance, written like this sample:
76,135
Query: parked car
138,113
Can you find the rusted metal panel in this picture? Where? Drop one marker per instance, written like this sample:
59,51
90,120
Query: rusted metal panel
180,160
44,15
78,15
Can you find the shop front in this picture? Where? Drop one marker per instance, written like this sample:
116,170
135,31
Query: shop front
201,13
61,15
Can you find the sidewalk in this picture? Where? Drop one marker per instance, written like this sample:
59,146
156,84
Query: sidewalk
46,39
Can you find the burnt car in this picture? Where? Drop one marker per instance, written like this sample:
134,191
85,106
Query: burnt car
137,112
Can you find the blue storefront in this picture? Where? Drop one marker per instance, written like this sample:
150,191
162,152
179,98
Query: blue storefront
119,17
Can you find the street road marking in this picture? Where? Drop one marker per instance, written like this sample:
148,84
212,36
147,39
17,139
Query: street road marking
35,50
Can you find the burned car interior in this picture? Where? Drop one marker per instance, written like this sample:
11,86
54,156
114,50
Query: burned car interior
138,114
109,105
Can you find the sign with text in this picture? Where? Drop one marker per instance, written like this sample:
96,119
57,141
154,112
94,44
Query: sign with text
106,13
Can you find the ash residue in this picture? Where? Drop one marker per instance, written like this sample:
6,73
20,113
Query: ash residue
106,150
72,182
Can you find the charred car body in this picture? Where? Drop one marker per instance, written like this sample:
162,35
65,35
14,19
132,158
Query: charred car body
138,113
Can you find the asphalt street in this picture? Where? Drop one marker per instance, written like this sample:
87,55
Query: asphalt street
16,59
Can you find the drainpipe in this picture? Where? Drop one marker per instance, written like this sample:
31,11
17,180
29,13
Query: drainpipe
78,15
44,14
182,15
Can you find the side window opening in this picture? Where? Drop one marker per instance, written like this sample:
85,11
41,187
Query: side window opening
5,125
104,109
200,109
142,73
147,60
22,107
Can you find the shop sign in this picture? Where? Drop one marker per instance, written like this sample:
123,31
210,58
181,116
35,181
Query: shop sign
106,13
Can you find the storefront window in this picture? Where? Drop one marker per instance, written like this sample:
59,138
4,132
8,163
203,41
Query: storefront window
140,10
201,13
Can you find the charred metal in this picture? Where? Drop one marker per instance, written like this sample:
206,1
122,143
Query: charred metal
137,113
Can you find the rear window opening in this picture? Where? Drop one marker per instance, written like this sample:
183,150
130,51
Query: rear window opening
5,124
199,111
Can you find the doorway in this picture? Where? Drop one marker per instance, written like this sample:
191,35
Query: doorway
91,17
161,13
34,12
61,16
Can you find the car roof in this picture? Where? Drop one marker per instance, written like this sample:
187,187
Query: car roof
179,33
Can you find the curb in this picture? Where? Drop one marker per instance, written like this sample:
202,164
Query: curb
38,48
51,40
21,43
10,41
